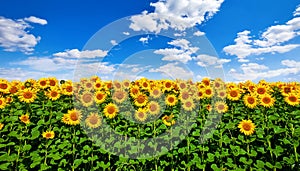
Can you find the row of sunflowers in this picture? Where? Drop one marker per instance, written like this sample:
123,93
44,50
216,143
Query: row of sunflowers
51,124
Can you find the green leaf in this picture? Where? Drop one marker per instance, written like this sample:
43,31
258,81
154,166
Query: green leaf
215,167
269,165
35,133
26,147
211,157
4,166
260,164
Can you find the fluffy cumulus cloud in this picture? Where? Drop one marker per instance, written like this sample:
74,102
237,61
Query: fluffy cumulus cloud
275,39
15,34
75,53
144,40
175,14
173,70
207,60
181,52
254,71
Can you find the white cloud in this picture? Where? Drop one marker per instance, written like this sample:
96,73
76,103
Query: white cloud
176,14
114,42
75,53
126,33
253,71
15,36
174,71
182,51
273,40
199,33
297,11
36,20
242,60
144,39
207,60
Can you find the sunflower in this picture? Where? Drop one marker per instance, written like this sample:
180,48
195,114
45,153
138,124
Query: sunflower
110,110
53,94
208,107
67,89
261,90
285,90
99,97
291,99
88,85
42,83
134,91
1,126
140,115
126,84
52,81
119,96
218,84
98,85
267,100
221,94
48,134
145,85
171,100
27,95
93,120
188,104
200,94
72,117
168,120
221,107
87,99
184,95
155,92
208,92
2,103
4,86
246,127
117,85
140,100
167,85
250,101
153,108
233,94
30,83
206,81
25,119
182,85
13,89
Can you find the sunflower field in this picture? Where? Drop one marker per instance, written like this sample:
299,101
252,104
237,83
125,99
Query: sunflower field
92,124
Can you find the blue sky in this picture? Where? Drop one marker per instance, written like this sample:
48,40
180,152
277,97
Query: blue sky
117,39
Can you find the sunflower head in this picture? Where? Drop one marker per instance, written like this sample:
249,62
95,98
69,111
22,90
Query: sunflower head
111,110
246,127
25,119
93,120
140,115
171,100
221,107
48,134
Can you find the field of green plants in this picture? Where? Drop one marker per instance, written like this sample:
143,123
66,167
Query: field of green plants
51,124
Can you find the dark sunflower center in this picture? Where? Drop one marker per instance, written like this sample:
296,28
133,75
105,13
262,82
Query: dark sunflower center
233,93
54,94
111,110
188,104
69,89
99,96
141,99
168,85
3,86
171,99
246,127
74,116
266,100
141,115
93,120
261,90
87,98
221,107
292,98
27,95
153,107
43,83
48,135
250,100
52,83
208,91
